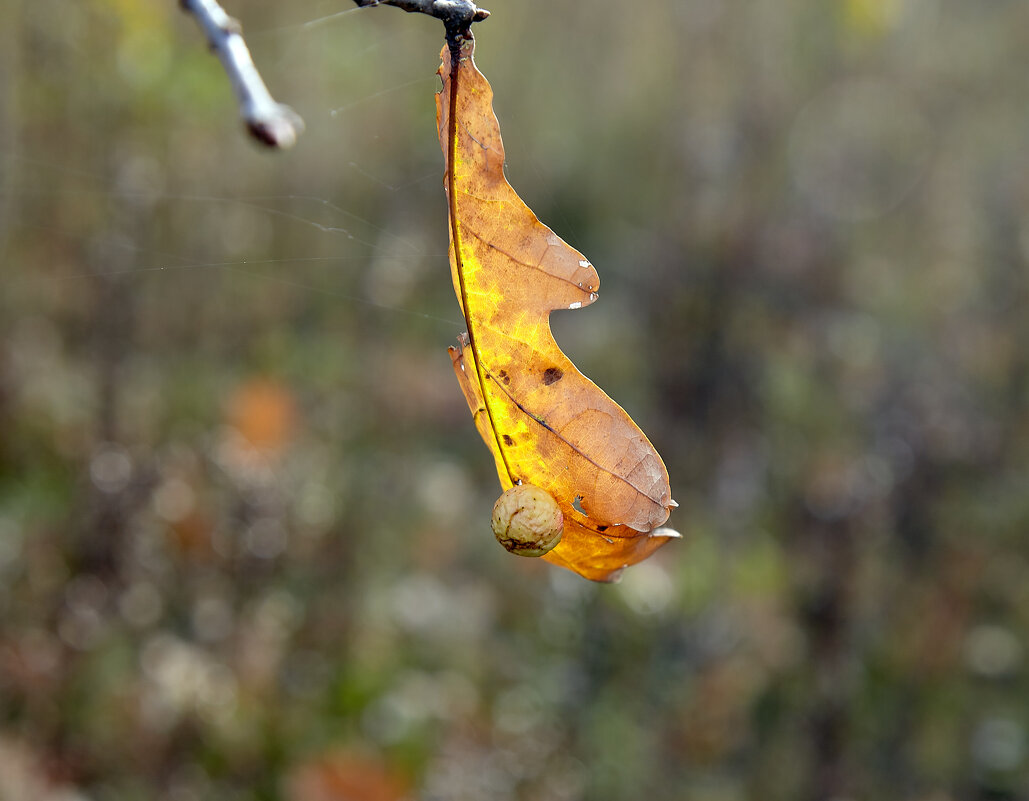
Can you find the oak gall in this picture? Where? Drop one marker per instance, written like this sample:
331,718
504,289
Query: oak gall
527,520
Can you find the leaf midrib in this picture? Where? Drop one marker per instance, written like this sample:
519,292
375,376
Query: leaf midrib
455,71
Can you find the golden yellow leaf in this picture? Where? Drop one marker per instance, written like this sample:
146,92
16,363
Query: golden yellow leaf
544,421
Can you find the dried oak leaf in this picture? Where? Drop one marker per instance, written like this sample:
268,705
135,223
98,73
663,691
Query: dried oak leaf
544,421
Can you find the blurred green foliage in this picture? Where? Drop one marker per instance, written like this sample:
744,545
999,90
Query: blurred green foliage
244,541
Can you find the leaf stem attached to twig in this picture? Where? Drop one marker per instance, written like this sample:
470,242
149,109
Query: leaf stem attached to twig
271,123
457,15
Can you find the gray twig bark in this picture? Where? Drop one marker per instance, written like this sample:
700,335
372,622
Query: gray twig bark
271,123
275,124
457,15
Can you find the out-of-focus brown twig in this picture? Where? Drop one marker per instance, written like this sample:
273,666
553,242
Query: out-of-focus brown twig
271,123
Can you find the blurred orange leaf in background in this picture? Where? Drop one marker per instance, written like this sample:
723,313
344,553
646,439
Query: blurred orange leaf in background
346,775
263,410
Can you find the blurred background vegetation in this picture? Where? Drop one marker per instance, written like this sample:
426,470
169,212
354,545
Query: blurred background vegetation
244,549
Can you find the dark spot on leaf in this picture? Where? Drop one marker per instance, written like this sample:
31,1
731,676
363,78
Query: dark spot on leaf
508,440
539,420
552,375
601,529
503,376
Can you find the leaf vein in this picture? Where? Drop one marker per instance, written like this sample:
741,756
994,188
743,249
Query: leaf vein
525,264
542,422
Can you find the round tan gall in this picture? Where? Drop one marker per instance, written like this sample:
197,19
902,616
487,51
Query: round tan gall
527,520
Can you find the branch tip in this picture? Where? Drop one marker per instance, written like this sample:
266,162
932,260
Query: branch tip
280,130
271,123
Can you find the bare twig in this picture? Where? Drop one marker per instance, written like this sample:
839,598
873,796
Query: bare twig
271,123
457,15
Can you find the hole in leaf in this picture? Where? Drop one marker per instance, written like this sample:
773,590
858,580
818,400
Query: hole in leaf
577,506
